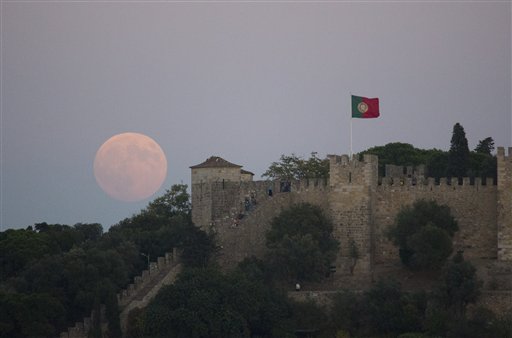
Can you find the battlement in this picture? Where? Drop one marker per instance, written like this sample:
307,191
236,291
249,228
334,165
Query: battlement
344,170
346,161
435,183
361,203
500,153
147,276
82,329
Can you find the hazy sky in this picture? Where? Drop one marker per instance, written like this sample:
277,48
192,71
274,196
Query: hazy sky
247,81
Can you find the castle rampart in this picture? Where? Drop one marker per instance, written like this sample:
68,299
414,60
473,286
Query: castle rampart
504,203
362,207
474,207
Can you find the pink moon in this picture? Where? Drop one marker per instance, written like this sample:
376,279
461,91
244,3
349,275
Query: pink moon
130,167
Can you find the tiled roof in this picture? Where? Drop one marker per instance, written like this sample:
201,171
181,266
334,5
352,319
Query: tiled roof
246,172
216,162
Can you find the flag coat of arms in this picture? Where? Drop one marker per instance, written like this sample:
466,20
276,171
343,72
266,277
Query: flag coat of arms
365,108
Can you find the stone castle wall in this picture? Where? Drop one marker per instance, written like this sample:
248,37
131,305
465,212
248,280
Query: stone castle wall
504,202
241,212
362,207
473,206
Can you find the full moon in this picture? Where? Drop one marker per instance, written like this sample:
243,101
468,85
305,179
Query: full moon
130,167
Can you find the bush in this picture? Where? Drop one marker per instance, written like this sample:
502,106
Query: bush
301,245
423,234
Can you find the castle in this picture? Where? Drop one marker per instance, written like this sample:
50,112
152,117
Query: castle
361,205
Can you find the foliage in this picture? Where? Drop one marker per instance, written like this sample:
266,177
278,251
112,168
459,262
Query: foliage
397,153
175,201
197,246
431,246
389,310
347,313
457,162
423,234
135,323
459,285
485,146
483,165
384,309
436,163
308,316
301,244
293,167
166,224
458,156
206,303
30,315
74,269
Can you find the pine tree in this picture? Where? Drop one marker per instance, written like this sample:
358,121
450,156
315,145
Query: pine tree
458,156
485,146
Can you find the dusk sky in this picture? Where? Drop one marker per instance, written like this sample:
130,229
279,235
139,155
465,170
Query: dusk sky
247,81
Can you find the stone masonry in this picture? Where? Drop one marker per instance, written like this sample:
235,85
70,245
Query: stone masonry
361,205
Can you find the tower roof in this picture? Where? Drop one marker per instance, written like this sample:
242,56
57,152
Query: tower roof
215,162
246,172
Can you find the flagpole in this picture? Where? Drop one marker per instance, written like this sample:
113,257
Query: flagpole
350,158
351,136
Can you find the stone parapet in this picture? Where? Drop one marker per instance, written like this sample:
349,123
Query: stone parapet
82,329
147,277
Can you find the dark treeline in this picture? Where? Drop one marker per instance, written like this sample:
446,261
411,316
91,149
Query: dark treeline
459,161
52,275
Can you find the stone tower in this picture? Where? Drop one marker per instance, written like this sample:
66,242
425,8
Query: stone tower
352,185
215,187
504,207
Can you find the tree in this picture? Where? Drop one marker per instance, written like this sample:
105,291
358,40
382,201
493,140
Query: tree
89,232
301,244
389,310
458,156
20,247
166,224
482,165
293,167
459,285
175,201
347,313
310,316
423,234
30,315
436,163
431,246
206,303
197,246
396,153
485,146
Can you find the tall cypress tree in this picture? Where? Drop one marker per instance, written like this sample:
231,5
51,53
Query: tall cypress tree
458,156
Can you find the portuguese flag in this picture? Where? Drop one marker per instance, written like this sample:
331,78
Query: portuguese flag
365,108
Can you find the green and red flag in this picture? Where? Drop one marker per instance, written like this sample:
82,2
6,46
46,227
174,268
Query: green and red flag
365,108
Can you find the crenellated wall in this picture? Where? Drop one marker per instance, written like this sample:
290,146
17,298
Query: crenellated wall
362,206
472,205
82,329
239,213
145,287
